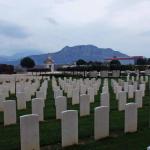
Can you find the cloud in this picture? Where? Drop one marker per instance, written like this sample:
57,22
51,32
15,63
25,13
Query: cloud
132,17
51,24
52,21
9,29
80,12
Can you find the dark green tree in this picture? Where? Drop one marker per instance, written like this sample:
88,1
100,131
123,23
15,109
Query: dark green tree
115,62
81,62
27,62
4,68
148,61
115,65
141,61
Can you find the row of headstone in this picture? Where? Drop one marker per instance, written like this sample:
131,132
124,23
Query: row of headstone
29,126
9,108
129,92
21,87
137,78
83,100
75,88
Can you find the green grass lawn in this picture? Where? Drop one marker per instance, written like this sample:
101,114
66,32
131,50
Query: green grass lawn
50,129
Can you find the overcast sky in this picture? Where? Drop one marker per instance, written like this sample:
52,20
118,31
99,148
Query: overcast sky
49,25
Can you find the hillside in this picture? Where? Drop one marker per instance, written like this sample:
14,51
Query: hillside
69,55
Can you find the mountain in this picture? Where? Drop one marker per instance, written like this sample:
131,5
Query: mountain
15,58
24,53
69,55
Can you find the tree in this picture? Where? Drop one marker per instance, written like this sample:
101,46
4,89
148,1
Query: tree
115,62
148,61
141,61
27,62
115,65
81,62
8,69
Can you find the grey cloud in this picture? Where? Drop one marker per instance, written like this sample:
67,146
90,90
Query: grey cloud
9,29
52,21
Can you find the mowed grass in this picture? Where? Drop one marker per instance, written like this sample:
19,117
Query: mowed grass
50,129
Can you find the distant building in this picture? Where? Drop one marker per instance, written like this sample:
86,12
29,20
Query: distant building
125,60
49,64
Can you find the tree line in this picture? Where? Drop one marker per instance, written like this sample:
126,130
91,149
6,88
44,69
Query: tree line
82,65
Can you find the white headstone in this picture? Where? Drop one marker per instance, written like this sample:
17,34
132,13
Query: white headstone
82,89
84,105
133,79
91,94
146,79
40,94
29,132
69,127
104,99
131,117
139,98
142,88
28,93
125,86
61,105
101,122
42,99
1,103
104,73
69,91
119,89
75,96
130,91
116,73
122,99
141,78
105,89
21,100
128,77
57,93
9,112
135,84
37,108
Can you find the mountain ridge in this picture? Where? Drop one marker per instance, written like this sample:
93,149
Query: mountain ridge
68,55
